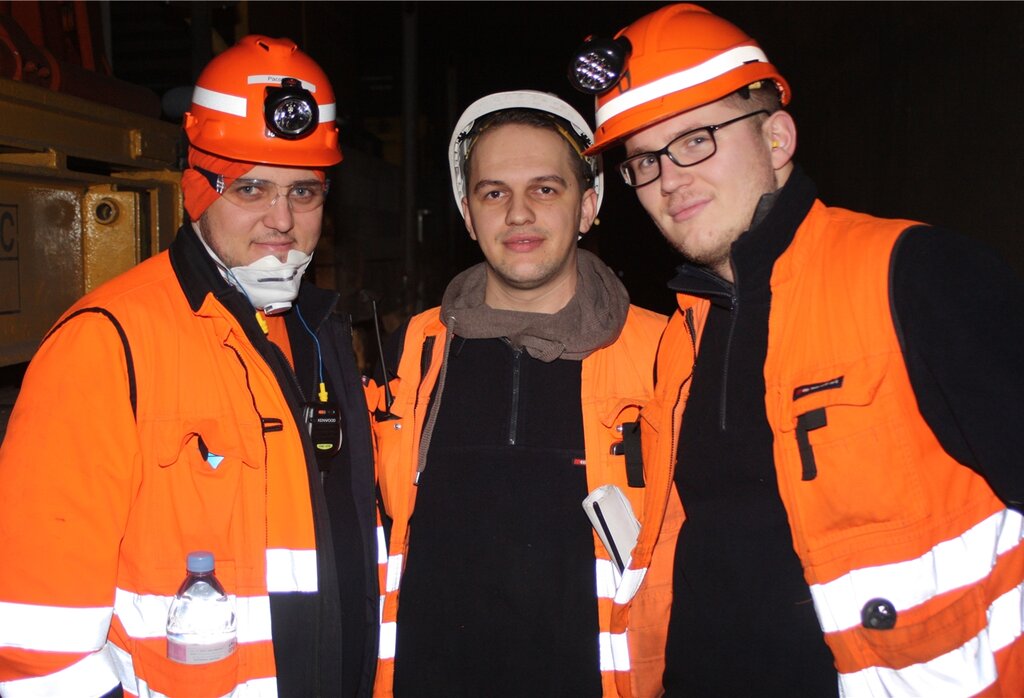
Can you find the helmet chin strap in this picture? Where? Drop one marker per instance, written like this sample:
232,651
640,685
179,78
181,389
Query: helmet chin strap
268,283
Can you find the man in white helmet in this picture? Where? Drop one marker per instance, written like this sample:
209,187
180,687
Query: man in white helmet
504,408
839,400
206,400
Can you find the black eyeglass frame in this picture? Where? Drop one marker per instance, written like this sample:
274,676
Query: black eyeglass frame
711,129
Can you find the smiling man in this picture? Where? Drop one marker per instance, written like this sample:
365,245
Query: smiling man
525,211
510,402
839,401
207,399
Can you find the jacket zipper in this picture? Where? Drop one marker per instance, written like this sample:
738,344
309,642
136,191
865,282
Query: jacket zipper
676,423
691,329
288,370
513,418
709,284
317,513
734,305
318,503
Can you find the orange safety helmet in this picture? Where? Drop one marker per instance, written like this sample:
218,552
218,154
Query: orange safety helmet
675,59
265,101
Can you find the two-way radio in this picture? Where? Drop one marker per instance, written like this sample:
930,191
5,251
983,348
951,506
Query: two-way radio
321,416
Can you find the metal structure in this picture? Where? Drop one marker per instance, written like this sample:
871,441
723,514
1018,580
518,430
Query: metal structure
87,190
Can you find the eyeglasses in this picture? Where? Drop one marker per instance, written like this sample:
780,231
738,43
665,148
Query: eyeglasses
260,194
685,150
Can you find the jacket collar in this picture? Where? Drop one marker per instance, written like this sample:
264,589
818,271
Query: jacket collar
592,319
755,252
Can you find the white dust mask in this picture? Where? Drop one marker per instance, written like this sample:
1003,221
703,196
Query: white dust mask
270,284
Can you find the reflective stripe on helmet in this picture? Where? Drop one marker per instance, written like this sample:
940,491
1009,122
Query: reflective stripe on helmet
218,101
230,104
683,80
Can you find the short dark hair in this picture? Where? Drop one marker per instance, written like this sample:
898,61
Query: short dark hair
537,119
763,94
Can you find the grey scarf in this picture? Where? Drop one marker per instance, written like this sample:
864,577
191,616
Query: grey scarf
591,320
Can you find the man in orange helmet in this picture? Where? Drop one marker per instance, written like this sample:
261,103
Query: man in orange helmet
206,400
838,402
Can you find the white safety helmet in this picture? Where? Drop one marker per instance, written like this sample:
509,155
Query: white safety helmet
518,99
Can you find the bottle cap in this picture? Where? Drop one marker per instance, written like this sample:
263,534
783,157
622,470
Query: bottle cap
199,561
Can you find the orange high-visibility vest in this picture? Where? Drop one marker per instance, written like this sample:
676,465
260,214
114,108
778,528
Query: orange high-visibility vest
915,567
616,381
96,532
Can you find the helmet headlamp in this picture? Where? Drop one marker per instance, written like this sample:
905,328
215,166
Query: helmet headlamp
599,64
290,110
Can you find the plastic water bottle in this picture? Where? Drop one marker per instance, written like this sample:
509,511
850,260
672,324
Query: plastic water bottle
201,624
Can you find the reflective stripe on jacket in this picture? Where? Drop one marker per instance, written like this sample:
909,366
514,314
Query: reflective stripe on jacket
616,381
914,565
125,480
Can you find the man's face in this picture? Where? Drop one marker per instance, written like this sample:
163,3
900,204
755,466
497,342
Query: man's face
702,209
240,236
525,209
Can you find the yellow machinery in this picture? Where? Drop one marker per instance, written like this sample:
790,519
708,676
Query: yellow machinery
86,190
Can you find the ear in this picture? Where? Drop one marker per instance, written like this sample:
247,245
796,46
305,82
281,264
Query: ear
780,132
468,218
588,210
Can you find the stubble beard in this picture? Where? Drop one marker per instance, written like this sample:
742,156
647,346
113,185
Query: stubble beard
712,249
534,276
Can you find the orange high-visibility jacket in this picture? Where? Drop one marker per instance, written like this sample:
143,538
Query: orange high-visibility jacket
617,381
100,504
886,524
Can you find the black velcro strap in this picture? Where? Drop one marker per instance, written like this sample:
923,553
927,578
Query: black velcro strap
634,454
426,354
807,422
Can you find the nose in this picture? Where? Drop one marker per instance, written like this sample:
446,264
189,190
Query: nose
519,211
673,176
279,216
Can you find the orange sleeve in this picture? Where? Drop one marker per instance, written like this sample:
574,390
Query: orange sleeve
68,468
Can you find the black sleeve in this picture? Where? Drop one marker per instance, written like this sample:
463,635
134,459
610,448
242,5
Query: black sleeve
959,312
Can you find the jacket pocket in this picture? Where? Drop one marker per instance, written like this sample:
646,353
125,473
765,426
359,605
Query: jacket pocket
845,459
943,628
208,492
173,679
621,420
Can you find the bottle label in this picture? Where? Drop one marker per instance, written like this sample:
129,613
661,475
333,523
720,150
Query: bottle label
191,652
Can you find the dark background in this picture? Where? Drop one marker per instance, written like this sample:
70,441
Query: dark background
904,109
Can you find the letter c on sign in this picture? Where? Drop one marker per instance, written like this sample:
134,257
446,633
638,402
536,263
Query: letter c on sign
7,220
